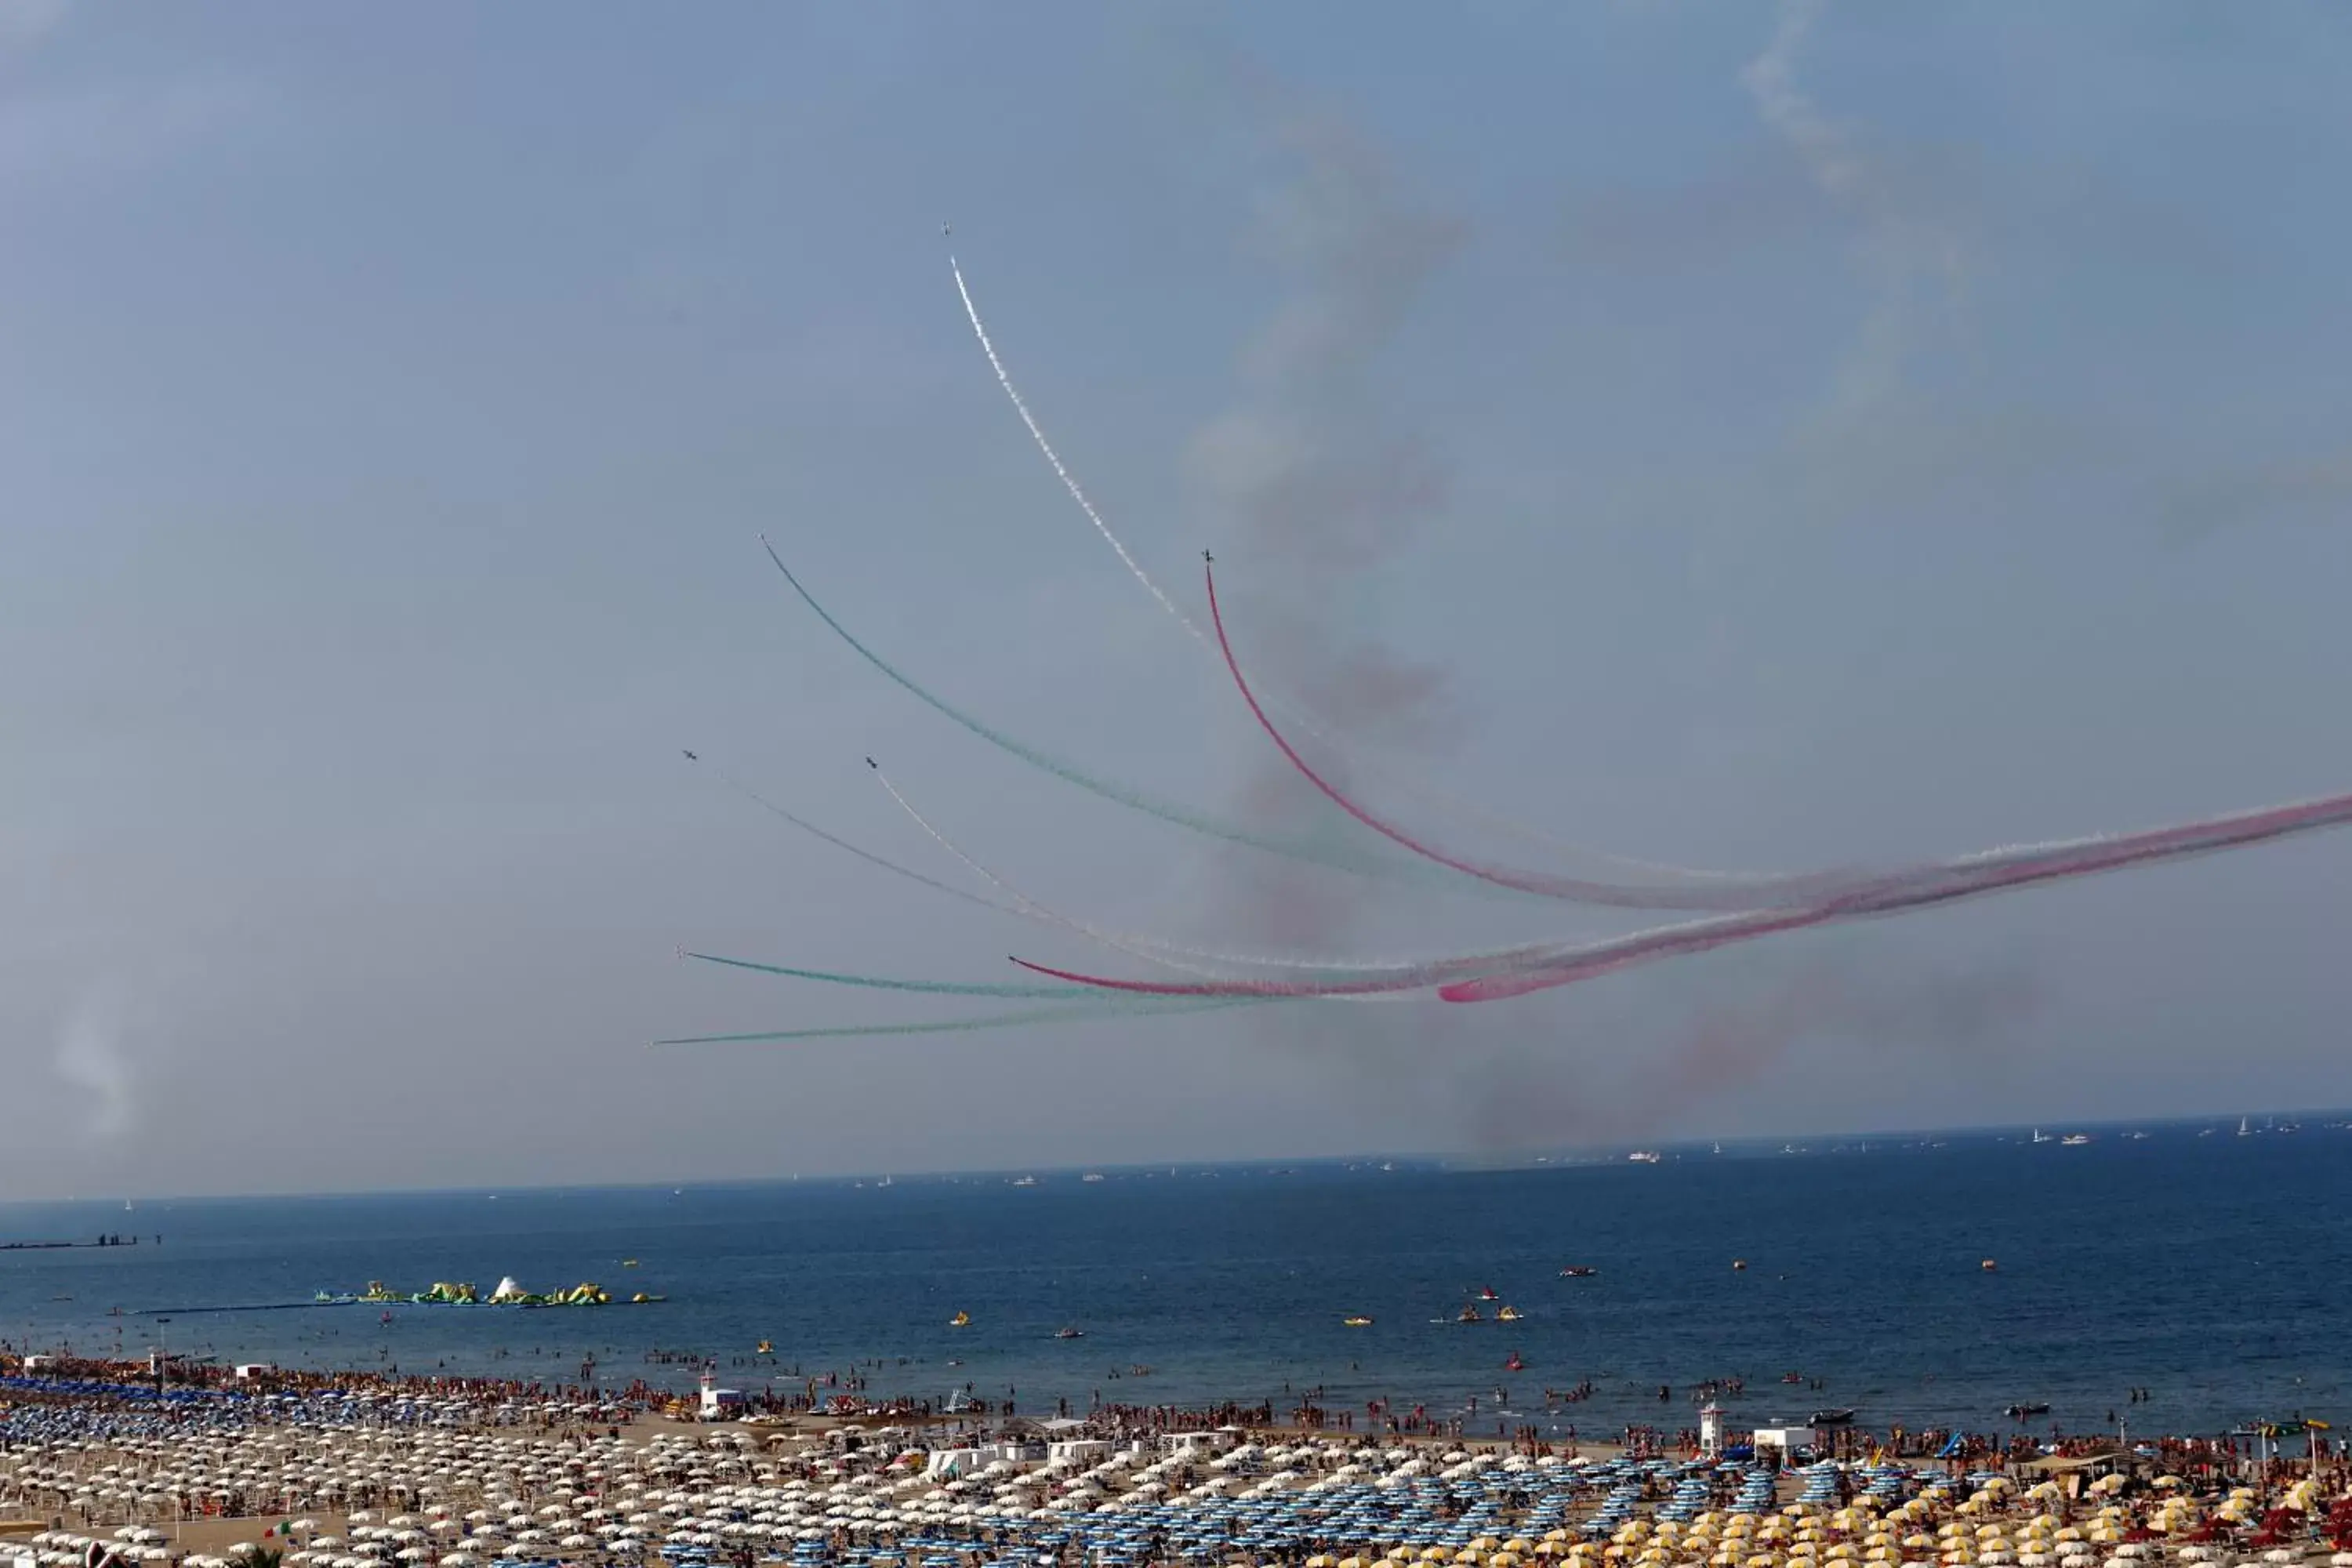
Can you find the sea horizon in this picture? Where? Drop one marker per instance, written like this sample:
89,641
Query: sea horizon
2328,1118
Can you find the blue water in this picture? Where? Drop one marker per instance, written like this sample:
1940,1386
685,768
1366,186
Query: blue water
2207,1269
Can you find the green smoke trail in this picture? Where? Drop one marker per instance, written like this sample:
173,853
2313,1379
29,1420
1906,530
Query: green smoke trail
967,1025
882,983
1296,850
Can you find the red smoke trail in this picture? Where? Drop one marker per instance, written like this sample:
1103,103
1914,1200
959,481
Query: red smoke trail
1958,880
1766,893
1472,980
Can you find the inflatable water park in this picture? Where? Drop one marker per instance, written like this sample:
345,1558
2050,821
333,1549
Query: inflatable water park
446,1293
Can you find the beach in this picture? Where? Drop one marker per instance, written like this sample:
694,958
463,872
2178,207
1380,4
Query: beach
382,1473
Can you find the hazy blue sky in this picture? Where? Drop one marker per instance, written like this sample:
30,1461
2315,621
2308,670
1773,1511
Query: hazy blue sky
1746,437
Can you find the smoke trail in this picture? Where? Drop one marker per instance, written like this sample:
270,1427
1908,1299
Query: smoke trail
1070,480
1968,878
882,983
952,1026
764,804
90,1057
1297,716
1175,955
1793,890
1295,849
1901,241
1168,954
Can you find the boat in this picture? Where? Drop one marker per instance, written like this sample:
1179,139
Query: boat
1469,1314
1358,1322
1842,1415
1507,1315
1069,1334
2244,1131
1092,1177
1025,1181
961,1320
1490,1293
2074,1140
766,1348
628,1263
2040,1136
1740,1265
1644,1156
1515,1363
2020,1411
1579,1271
1989,1266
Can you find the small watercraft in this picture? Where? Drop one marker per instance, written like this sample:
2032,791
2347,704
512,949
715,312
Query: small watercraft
1069,1334
1644,1156
1358,1322
1515,1363
1469,1314
961,1320
1579,1271
1991,1266
2020,1411
1841,1416
628,1263
766,1348
1738,1265
1489,1293
1507,1315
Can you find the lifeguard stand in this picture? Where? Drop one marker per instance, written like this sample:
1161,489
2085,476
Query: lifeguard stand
1710,1430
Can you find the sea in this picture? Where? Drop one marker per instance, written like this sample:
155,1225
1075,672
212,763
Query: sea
2207,1267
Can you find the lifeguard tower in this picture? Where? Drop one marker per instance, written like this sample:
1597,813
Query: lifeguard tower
718,1404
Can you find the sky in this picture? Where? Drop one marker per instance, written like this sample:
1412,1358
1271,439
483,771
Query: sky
1746,436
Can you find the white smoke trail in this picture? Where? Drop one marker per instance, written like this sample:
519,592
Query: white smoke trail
1177,956
1902,241
90,1057
1061,470
764,804
1290,711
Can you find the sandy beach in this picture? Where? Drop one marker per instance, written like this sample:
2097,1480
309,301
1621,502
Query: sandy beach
405,1477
